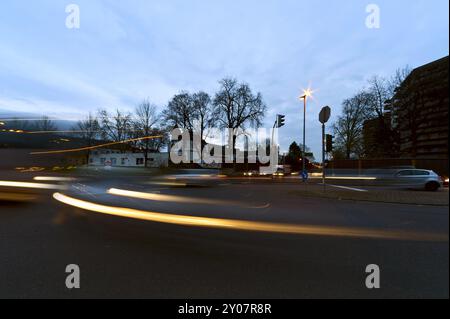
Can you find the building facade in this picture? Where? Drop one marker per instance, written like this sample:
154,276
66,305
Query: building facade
115,158
420,112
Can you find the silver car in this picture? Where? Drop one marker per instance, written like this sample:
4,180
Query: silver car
418,179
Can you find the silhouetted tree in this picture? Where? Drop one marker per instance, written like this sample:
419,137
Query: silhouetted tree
115,128
45,124
349,127
144,125
203,110
237,107
89,130
180,112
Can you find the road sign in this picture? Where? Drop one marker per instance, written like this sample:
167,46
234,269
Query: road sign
325,114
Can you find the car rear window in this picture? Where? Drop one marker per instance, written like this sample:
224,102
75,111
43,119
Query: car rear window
421,173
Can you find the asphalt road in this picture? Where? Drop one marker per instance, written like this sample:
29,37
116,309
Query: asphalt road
121,257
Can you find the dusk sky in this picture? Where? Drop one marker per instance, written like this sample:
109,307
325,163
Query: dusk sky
126,51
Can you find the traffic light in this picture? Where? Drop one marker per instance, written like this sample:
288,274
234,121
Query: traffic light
280,120
329,143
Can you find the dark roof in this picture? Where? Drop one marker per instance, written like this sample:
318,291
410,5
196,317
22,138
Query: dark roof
429,66
39,141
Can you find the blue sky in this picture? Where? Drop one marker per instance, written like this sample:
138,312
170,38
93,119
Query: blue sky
126,51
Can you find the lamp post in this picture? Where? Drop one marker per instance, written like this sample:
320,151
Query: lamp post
304,97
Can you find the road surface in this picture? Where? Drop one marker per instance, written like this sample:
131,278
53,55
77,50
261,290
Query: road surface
121,257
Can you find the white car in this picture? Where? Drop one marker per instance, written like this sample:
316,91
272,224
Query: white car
418,179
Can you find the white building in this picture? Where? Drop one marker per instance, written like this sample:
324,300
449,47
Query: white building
115,158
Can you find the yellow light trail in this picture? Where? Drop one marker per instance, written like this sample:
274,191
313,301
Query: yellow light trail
97,146
175,184
65,132
54,179
17,197
31,185
168,198
248,225
31,169
56,132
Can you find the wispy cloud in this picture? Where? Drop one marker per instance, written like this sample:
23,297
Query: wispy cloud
127,51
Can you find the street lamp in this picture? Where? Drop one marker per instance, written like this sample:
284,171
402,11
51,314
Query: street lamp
306,94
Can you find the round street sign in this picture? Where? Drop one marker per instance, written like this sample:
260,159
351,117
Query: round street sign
325,114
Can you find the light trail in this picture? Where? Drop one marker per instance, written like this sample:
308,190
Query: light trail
367,178
168,198
17,197
174,184
30,170
31,185
351,178
57,132
256,226
54,179
97,146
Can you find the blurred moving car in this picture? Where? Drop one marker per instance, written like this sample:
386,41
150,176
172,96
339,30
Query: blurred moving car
418,179
445,181
251,173
279,172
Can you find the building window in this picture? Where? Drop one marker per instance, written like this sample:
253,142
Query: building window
123,161
102,161
113,161
139,161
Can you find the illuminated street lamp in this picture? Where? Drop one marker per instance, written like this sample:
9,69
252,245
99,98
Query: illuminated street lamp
306,94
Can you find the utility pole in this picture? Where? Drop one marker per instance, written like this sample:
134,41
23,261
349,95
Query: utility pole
306,94
323,155
324,116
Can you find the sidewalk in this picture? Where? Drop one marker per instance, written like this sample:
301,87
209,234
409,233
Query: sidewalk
412,197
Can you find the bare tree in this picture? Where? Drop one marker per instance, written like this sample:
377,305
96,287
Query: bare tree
381,138
88,129
397,79
202,105
180,112
375,103
158,143
349,127
144,124
379,95
115,127
236,107
45,124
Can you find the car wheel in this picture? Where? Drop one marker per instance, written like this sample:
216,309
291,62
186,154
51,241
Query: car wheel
432,186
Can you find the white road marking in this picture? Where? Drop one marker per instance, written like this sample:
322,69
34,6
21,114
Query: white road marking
349,188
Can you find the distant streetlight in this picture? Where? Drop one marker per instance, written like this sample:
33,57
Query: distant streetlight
306,94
